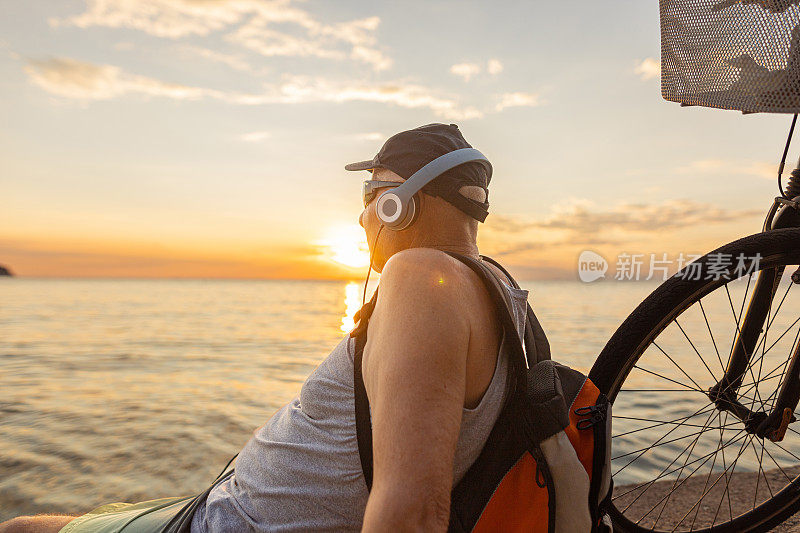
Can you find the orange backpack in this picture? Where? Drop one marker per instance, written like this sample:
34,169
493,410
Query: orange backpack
548,450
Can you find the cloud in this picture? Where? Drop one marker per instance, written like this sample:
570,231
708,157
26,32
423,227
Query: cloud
465,70
75,79
469,70
370,136
255,136
580,223
233,61
540,245
6,50
586,218
371,56
761,169
517,99
71,78
257,36
269,28
174,19
300,89
648,69
494,67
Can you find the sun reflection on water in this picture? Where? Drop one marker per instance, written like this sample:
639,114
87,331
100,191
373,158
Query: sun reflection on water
352,302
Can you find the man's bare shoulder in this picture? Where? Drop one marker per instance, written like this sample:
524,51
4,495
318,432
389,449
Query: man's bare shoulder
426,270
426,291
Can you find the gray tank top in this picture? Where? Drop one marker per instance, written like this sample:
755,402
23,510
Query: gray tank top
301,470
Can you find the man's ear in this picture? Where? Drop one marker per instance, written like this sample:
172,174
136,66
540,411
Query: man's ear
473,192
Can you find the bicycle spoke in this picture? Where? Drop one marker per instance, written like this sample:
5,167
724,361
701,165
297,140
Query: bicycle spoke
705,317
760,471
708,477
653,390
726,492
696,413
659,440
781,303
761,362
740,434
664,436
764,472
769,325
762,341
664,423
668,379
664,473
733,465
784,334
705,492
783,372
758,360
779,466
769,375
677,366
674,483
738,335
695,350
787,451
708,407
735,318
724,467
652,446
778,309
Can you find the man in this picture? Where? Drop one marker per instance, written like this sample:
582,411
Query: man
434,369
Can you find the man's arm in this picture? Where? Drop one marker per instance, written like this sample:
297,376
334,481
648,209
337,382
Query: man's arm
415,374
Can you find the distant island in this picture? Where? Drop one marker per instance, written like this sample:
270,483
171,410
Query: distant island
4,271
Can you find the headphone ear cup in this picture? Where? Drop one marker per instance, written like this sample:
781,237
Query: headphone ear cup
387,201
415,207
411,214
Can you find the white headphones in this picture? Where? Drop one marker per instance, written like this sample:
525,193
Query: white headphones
397,208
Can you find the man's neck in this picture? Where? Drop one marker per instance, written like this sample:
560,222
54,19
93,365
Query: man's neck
468,249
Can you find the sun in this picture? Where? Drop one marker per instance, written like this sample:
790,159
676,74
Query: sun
346,245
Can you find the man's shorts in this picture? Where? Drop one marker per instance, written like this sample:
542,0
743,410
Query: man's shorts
143,517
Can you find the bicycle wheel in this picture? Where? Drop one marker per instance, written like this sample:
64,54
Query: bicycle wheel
679,463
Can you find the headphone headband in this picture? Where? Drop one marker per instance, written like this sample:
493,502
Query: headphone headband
439,166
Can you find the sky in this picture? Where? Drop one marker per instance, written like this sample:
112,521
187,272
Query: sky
207,138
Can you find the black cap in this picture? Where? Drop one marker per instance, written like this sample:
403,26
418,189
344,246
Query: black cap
409,151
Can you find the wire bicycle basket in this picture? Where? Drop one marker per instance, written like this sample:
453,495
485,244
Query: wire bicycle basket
731,54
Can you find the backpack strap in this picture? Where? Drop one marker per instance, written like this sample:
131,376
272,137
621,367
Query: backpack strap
503,307
537,347
363,418
361,401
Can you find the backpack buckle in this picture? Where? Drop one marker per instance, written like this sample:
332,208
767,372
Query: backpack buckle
594,413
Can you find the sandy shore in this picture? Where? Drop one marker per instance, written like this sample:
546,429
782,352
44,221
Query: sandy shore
746,489
737,500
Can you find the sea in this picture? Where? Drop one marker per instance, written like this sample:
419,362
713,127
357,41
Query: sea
128,390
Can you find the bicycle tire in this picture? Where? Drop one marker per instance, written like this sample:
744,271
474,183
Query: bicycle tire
644,325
